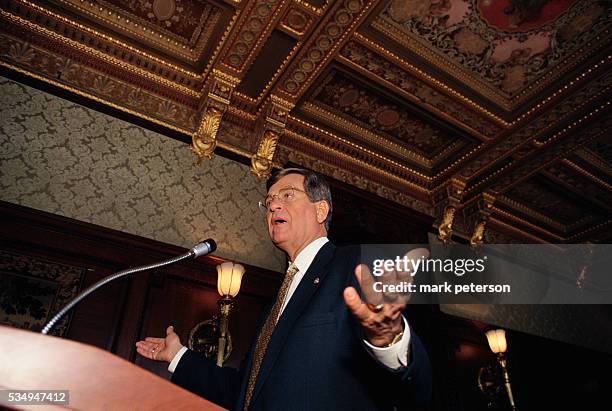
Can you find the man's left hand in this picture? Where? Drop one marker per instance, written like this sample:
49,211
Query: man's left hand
380,323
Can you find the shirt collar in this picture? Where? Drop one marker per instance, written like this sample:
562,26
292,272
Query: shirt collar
307,255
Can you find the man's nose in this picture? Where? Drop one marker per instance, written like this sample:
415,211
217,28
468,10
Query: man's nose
275,204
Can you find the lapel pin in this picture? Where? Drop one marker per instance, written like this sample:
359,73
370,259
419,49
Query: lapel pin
316,280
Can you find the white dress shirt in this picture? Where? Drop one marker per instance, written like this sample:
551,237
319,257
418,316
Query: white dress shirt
394,357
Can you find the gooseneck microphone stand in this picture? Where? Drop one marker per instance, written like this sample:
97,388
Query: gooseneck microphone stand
203,248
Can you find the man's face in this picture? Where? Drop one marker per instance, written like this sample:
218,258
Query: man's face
293,225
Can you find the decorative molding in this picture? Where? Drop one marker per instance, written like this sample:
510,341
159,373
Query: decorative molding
524,228
95,98
562,112
380,122
361,155
298,21
389,68
190,48
546,157
333,32
390,146
68,29
519,208
257,20
87,80
587,174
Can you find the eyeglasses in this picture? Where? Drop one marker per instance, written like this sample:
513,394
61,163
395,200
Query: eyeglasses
284,195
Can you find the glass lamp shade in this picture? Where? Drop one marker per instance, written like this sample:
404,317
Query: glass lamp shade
497,340
229,277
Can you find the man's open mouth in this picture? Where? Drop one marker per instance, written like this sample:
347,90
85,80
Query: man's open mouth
278,220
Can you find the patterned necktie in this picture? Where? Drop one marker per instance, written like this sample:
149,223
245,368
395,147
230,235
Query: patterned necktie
266,333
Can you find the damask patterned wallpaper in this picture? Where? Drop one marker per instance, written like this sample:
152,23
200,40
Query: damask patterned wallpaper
63,158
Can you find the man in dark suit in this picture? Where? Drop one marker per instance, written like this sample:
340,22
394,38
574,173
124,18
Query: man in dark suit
319,347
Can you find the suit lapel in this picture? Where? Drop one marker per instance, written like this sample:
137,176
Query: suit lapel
299,301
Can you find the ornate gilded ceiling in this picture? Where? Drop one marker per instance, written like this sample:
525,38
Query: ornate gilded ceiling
490,116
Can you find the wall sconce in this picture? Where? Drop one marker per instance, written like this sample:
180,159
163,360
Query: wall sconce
488,382
212,336
497,341
229,278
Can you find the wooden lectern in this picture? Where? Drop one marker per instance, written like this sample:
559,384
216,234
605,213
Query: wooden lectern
96,379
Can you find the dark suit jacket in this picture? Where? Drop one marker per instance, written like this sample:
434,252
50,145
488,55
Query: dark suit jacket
316,358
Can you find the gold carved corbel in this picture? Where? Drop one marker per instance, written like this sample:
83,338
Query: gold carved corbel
219,91
485,209
445,229
478,236
272,122
261,162
204,140
451,199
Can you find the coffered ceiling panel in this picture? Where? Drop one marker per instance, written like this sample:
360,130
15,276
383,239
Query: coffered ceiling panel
382,122
183,30
489,117
506,52
560,205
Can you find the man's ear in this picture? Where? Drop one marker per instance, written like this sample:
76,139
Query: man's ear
322,211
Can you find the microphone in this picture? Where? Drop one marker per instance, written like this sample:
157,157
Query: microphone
203,248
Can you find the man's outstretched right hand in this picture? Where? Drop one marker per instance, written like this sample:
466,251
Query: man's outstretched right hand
160,349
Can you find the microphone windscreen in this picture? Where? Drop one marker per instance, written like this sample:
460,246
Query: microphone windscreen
212,244
204,247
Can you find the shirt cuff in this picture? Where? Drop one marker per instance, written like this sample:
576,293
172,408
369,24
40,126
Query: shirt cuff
395,356
176,359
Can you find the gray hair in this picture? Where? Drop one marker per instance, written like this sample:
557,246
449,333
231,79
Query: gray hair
315,186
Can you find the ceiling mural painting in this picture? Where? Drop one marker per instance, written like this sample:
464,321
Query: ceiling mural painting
521,16
480,114
507,49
